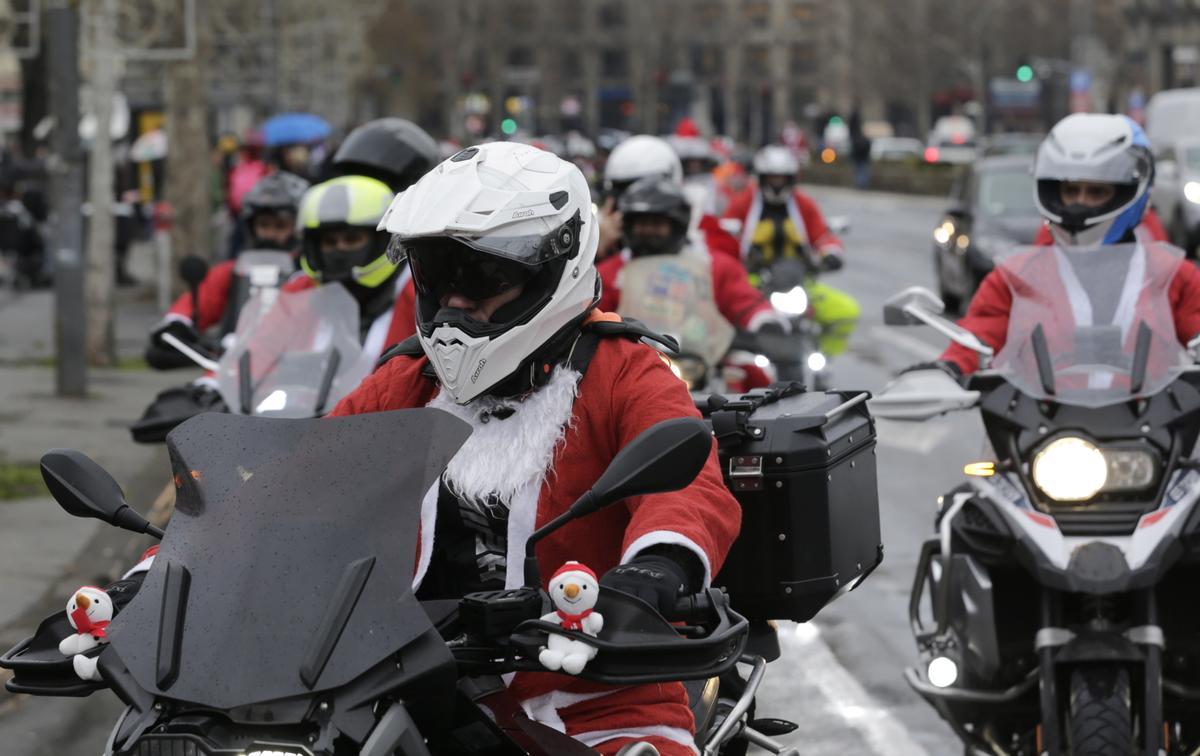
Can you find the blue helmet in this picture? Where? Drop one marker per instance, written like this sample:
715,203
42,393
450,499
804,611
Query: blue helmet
1094,148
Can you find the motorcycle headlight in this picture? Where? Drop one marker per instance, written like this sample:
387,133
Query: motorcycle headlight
1070,469
1074,469
793,302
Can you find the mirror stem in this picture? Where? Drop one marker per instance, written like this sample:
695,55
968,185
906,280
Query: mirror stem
533,577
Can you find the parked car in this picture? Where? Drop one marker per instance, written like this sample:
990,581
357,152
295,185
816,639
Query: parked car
952,140
991,210
1010,143
896,149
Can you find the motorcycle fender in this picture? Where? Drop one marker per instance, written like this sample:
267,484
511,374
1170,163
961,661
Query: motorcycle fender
1098,647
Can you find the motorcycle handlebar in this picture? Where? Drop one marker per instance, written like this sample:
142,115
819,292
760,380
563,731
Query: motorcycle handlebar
692,609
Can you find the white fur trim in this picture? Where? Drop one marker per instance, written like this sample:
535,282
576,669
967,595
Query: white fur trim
668,538
142,566
675,734
544,708
510,458
174,317
768,316
428,525
208,381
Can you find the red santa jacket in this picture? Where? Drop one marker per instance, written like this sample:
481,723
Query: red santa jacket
739,302
987,316
212,296
626,389
743,208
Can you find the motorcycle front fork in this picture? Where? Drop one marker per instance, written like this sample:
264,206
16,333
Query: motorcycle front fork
1146,634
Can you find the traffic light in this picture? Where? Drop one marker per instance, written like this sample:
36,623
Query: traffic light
1025,73
508,126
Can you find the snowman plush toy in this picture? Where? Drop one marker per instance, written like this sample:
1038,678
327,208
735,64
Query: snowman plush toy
574,590
89,611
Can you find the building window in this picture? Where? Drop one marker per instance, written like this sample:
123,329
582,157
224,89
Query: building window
803,59
757,61
708,12
571,64
758,14
706,61
612,15
520,57
612,63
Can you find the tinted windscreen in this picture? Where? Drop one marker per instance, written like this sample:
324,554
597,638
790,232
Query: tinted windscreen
278,525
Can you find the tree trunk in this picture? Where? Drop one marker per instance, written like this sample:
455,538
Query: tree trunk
98,289
189,167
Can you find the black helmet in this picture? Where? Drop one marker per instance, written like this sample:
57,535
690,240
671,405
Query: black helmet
276,193
392,150
659,196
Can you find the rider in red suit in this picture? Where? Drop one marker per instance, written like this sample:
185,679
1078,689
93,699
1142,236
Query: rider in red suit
1087,201
503,303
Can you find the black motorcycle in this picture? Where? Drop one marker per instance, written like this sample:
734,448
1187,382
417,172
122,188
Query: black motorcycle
1060,581
279,615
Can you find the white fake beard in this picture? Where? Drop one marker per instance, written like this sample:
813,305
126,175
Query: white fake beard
503,456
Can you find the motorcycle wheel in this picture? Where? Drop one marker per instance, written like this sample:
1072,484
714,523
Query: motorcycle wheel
1100,721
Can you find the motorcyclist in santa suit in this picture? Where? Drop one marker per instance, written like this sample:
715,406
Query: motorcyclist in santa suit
392,151
268,217
1094,174
501,240
779,221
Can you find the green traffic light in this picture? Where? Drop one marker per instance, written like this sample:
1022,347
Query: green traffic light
508,126
836,121
1025,73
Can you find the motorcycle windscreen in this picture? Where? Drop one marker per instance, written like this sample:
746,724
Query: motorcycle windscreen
673,295
300,351
1091,326
287,565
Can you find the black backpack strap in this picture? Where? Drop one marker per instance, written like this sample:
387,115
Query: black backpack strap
410,347
632,329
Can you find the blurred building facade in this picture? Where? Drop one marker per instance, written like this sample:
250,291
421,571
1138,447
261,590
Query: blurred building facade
1162,47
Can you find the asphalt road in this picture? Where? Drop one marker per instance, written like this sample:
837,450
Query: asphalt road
840,677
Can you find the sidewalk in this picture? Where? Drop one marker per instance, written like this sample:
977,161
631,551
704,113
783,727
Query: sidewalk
45,553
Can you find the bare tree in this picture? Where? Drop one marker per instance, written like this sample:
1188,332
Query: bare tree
189,167
98,278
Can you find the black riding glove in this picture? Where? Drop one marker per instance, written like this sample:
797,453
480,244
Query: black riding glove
831,262
658,576
162,356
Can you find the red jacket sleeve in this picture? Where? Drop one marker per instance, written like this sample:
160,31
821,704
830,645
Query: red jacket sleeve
610,295
399,384
823,240
737,300
704,516
212,294
739,206
1184,296
987,318
719,240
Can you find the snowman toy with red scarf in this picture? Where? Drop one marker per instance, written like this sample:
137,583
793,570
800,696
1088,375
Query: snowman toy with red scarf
573,590
89,611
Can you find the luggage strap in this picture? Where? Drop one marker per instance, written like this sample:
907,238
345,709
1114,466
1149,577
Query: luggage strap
731,417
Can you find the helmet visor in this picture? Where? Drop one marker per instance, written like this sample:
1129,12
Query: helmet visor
528,250
442,266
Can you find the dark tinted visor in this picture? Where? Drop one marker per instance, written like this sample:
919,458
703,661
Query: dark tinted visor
442,266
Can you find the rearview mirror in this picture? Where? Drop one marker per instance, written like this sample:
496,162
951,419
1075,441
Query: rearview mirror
85,489
192,270
667,456
896,309
916,305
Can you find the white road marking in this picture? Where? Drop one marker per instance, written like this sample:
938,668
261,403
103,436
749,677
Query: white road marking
844,696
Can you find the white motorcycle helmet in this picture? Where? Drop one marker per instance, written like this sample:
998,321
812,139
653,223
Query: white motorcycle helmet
1092,147
636,158
775,160
489,218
